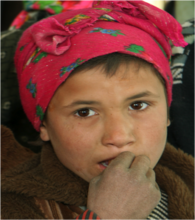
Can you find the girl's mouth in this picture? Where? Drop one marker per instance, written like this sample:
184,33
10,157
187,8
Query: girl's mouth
106,162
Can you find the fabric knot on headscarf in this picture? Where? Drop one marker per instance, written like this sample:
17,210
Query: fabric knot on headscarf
53,37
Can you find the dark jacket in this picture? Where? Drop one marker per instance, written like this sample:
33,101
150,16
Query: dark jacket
38,186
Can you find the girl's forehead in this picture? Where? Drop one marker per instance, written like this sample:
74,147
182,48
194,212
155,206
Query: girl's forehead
94,85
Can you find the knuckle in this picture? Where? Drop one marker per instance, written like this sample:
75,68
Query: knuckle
144,159
151,186
151,173
156,194
126,154
142,162
115,170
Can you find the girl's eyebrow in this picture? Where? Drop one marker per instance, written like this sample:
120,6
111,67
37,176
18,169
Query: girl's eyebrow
89,102
81,102
142,94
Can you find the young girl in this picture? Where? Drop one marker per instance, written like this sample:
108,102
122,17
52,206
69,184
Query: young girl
97,85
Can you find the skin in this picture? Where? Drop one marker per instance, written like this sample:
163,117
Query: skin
125,113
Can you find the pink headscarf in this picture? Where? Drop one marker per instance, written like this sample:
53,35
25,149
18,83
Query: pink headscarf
51,49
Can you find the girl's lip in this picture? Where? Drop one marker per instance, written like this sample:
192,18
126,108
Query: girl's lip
109,160
102,167
104,164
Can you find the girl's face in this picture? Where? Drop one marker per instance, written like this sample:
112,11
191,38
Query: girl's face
93,118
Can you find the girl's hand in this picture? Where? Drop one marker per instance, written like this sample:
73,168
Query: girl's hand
125,190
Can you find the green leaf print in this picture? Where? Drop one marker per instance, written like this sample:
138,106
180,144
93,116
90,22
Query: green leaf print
21,48
39,112
69,68
39,57
112,32
135,48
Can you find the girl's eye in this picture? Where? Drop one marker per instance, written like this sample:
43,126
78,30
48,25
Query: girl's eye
138,106
85,112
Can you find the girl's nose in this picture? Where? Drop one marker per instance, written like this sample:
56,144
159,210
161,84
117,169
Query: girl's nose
118,131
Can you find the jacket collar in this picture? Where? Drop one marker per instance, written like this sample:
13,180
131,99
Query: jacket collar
45,176
175,175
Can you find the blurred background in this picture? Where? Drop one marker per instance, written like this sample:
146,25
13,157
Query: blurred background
9,13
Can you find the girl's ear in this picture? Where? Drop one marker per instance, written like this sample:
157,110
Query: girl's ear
44,133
